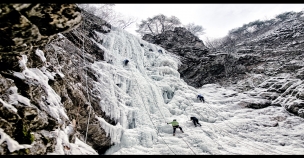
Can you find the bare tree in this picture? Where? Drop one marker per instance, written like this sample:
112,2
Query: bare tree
159,21
145,27
214,43
126,22
195,29
87,7
157,25
172,22
107,13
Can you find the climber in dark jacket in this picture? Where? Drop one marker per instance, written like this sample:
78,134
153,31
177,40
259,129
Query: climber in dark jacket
195,121
175,125
126,62
201,98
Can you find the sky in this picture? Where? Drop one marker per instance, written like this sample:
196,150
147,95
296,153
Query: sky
143,96
217,19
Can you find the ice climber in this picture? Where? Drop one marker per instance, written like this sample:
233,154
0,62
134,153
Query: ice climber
126,62
195,121
201,98
175,125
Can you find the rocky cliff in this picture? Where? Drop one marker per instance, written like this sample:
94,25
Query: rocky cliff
27,112
200,65
251,57
278,73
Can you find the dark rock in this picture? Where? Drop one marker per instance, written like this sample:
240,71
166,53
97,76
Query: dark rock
24,28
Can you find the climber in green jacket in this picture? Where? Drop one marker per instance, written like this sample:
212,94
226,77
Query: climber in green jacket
175,125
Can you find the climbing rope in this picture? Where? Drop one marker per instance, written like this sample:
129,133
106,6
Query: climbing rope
77,115
163,117
86,83
152,121
156,103
189,146
216,141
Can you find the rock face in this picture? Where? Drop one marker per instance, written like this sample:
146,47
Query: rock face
187,46
59,42
24,29
278,73
199,64
73,88
179,41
